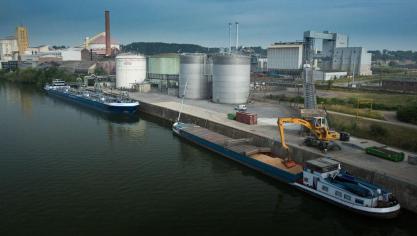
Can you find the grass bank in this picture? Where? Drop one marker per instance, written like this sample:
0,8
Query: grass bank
391,135
353,111
346,106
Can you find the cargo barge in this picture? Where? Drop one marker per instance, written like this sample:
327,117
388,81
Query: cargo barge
92,99
239,150
322,178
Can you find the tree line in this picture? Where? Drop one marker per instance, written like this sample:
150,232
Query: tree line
386,55
152,48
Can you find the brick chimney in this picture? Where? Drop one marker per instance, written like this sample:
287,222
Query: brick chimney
108,43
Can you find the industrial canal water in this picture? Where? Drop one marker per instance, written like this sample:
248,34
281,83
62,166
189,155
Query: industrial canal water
68,170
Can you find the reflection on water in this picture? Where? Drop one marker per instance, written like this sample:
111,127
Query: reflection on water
69,170
21,97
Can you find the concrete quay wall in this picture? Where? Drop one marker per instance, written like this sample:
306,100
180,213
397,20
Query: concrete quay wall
405,192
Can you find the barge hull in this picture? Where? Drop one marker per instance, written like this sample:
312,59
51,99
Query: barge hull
93,104
382,213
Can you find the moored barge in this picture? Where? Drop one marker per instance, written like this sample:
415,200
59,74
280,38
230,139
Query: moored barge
93,99
322,178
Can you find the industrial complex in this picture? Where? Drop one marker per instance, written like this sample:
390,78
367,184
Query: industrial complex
218,88
327,52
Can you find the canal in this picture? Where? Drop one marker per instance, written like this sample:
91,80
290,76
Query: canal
68,170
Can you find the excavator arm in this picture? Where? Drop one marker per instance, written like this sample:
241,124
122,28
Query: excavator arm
319,128
282,121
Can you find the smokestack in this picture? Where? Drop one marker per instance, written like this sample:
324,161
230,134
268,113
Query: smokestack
230,37
237,36
107,25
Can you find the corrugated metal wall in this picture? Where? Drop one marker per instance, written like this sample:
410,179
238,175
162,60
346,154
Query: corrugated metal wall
286,58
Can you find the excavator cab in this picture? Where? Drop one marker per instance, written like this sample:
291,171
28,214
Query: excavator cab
320,122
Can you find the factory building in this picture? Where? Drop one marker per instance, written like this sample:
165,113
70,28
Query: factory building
44,54
262,64
334,53
22,38
353,60
14,46
319,75
36,50
8,49
330,41
285,57
79,67
71,54
97,44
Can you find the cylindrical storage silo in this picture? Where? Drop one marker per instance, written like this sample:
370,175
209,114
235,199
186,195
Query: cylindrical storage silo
231,79
130,70
193,75
209,72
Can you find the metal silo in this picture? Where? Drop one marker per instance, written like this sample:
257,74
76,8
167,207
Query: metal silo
193,72
130,70
231,78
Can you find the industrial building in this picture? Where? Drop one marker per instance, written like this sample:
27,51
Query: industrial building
44,54
262,64
334,53
285,57
329,42
36,50
78,67
97,43
22,37
353,60
325,51
8,49
319,75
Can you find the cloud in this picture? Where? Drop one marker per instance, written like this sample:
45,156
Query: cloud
205,21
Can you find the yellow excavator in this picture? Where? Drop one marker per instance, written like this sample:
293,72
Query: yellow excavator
322,137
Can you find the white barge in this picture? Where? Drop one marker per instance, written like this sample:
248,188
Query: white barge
324,178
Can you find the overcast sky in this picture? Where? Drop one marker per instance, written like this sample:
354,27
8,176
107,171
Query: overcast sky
375,24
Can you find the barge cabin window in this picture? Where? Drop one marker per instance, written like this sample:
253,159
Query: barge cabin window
359,201
347,197
324,188
338,194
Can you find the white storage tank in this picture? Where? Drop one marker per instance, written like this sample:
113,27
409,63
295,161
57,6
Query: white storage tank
193,68
130,70
231,79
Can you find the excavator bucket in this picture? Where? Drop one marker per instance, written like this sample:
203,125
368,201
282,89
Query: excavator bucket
289,164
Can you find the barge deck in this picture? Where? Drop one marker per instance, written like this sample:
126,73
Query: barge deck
240,150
